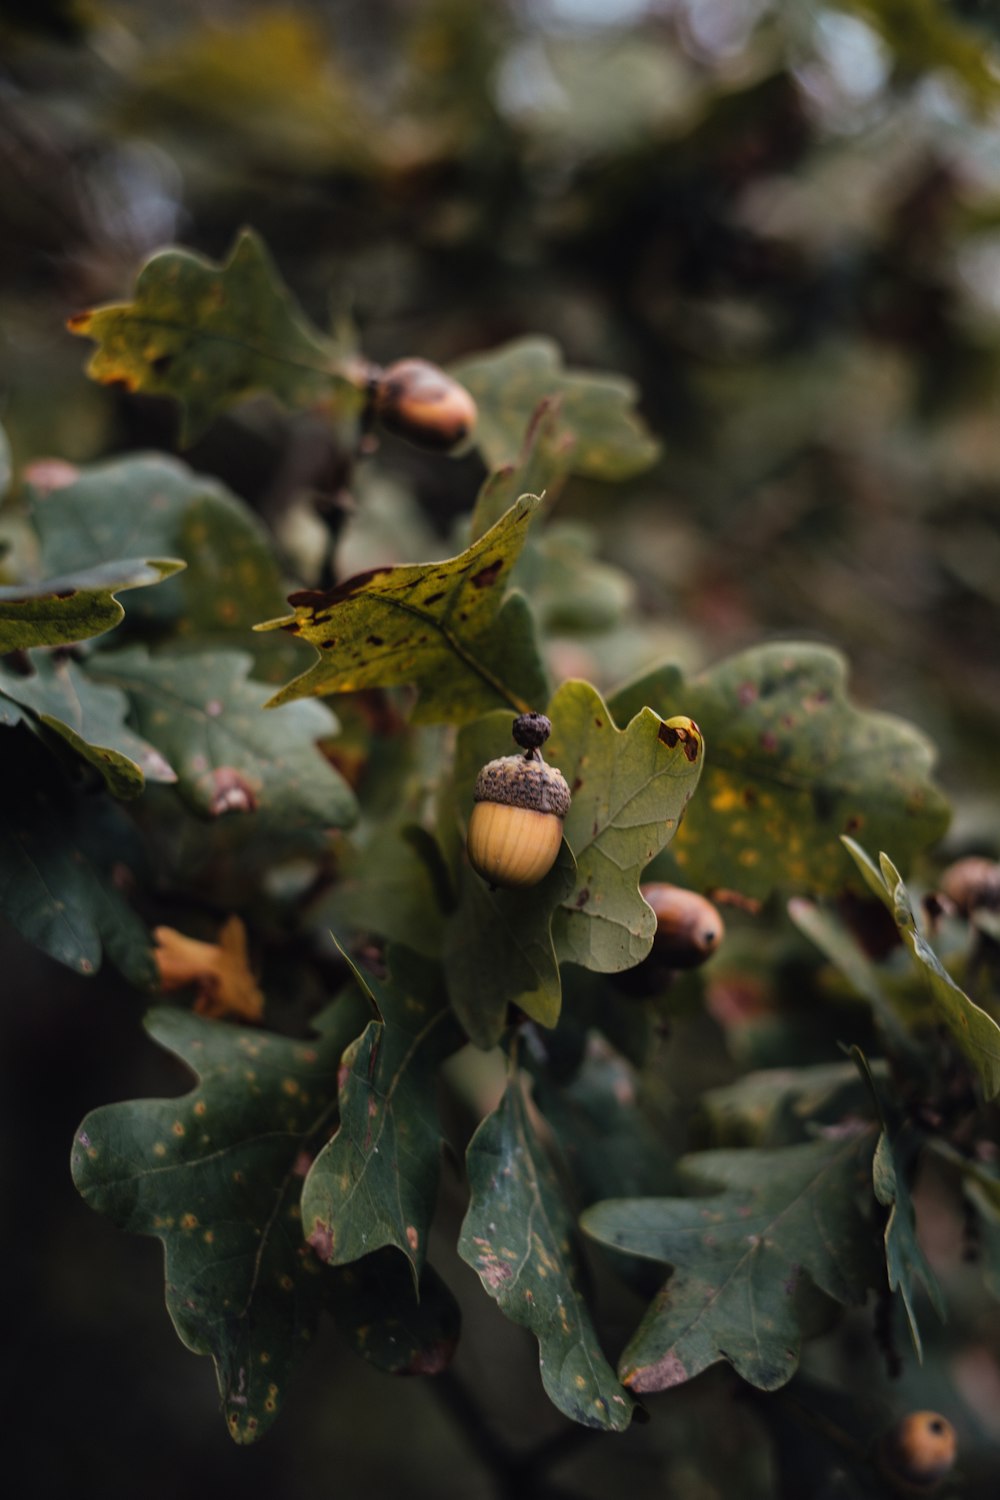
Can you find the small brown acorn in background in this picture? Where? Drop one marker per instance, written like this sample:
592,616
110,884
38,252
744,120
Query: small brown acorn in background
688,927
416,400
972,883
918,1452
517,823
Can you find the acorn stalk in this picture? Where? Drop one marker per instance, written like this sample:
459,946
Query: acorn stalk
520,802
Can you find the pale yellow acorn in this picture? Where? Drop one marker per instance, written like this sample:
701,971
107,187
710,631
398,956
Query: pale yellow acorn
516,826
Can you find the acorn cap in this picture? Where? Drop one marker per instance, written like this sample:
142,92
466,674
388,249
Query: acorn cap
516,781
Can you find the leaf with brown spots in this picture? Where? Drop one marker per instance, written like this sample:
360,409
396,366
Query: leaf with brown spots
446,627
518,1235
203,712
748,1258
216,1175
77,605
375,1182
211,335
792,764
973,1029
597,431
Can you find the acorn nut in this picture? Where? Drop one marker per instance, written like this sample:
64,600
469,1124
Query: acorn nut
516,826
918,1452
688,927
418,401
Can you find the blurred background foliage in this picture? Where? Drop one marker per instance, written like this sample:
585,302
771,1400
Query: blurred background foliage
782,219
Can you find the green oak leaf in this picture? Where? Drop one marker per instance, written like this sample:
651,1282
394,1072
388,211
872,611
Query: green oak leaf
56,854
518,1236
597,422
498,952
542,465
203,711
151,505
976,1033
60,696
630,789
76,605
831,936
394,885
396,1328
375,1182
215,1175
210,335
609,1144
783,1223
905,1262
779,1106
792,765
444,626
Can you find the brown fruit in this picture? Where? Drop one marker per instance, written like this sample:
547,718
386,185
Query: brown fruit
972,883
918,1452
419,402
688,927
516,826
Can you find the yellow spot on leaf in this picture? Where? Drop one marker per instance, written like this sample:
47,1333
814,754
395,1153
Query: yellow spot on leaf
189,1221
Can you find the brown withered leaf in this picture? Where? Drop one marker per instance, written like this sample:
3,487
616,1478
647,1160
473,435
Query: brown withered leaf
220,971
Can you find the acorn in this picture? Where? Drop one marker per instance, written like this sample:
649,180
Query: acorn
918,1452
972,884
688,927
418,401
516,826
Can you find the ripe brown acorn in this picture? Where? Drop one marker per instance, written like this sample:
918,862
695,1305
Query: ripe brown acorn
918,1452
688,927
516,826
972,883
418,401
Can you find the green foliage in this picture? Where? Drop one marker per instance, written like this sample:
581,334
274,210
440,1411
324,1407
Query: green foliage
518,1237
375,1183
746,1259
595,430
56,869
151,504
211,335
91,718
77,605
203,713
301,1173
215,1175
974,1030
793,764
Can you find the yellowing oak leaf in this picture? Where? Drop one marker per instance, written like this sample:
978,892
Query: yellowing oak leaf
444,626
221,971
211,335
